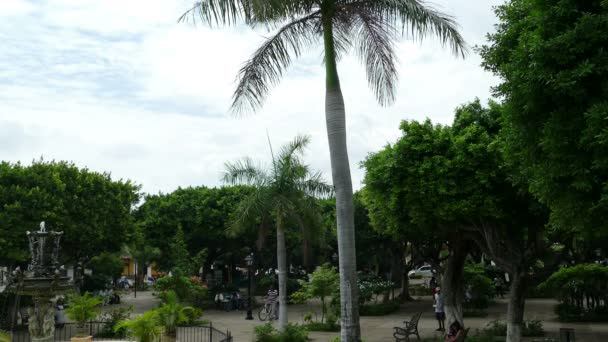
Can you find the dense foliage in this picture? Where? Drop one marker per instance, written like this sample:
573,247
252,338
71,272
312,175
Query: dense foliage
203,216
479,285
322,283
552,60
83,309
290,333
582,291
92,210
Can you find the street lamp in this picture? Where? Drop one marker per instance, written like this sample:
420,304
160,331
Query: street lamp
249,261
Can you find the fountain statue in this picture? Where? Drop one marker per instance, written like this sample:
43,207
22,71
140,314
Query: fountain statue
43,280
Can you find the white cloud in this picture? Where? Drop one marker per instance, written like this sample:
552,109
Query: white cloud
121,87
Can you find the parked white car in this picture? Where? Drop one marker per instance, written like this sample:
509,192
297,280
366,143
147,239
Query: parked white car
425,271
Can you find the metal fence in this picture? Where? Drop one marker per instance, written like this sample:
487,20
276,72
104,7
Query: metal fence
102,332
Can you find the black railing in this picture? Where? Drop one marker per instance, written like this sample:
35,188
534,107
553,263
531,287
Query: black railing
102,332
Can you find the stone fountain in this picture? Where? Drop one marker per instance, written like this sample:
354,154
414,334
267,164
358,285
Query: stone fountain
43,280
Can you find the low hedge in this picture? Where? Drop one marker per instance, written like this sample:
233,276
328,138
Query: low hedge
381,309
318,326
570,313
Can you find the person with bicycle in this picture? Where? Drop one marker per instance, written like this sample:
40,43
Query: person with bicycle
271,301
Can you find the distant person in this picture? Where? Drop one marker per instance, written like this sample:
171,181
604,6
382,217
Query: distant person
272,300
439,311
455,333
433,284
59,316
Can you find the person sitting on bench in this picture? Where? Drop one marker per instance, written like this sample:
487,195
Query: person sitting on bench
455,334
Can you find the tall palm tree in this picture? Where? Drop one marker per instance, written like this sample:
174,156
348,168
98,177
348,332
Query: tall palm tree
280,193
370,27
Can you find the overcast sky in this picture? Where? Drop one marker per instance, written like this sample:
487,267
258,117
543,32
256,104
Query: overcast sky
120,86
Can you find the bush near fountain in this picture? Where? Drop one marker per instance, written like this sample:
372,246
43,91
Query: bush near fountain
82,310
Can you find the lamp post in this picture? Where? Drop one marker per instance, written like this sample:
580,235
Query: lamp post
249,261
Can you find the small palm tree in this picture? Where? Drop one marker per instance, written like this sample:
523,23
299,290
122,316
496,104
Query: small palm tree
144,328
280,194
370,27
82,310
171,314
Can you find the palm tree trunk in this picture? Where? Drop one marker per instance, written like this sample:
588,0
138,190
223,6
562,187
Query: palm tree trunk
335,117
282,265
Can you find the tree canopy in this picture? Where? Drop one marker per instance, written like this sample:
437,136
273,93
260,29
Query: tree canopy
92,210
552,59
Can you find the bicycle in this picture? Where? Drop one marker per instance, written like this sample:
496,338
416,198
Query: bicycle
266,312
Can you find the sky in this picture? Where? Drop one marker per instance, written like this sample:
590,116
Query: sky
122,87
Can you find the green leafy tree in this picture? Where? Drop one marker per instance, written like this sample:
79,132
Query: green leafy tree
371,28
280,192
180,257
550,56
92,210
203,214
322,283
106,268
453,180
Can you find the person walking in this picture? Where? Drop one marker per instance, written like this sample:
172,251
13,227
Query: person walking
439,311
271,300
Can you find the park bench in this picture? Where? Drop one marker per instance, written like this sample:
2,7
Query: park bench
411,328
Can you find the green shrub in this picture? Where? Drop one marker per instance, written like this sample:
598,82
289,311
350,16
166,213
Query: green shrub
531,328
308,317
318,326
292,333
111,319
186,289
380,309
567,312
144,328
481,286
82,310
581,291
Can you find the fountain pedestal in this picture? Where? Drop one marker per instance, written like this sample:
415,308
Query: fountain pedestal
43,280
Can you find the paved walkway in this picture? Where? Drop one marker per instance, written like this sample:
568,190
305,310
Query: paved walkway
379,329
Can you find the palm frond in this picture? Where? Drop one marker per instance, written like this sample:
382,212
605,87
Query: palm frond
220,12
374,42
315,186
294,147
244,171
267,65
252,208
418,19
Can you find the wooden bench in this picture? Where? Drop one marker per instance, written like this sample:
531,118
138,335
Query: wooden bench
411,328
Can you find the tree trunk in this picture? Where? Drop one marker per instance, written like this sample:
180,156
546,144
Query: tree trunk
282,265
515,313
335,117
405,285
453,283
